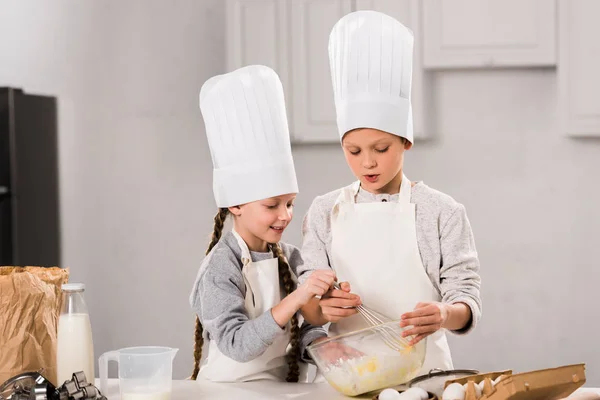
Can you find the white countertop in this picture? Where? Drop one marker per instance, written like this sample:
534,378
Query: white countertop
259,390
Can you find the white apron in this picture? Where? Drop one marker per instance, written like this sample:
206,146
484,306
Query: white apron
262,293
375,249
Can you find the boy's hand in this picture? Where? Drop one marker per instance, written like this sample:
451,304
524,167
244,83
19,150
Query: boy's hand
425,319
337,304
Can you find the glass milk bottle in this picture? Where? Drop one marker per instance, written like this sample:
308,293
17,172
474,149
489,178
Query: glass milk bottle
75,349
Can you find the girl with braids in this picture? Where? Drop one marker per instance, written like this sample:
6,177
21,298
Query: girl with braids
403,248
245,294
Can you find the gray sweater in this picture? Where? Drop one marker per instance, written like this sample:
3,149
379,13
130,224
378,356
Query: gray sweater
218,300
444,238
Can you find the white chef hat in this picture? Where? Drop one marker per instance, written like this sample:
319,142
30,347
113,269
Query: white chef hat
371,55
247,129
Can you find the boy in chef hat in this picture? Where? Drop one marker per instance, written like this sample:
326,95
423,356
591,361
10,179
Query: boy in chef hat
406,249
245,293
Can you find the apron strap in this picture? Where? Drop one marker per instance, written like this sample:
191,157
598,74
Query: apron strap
347,196
405,188
350,195
246,257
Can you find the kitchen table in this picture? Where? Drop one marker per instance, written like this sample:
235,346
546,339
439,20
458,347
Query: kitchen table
258,390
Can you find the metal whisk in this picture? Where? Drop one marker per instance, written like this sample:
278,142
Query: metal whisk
390,336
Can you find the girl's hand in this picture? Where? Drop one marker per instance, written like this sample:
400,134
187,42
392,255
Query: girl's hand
425,319
333,352
318,283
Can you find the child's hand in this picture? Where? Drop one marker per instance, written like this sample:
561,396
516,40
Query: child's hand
333,352
337,304
425,319
317,284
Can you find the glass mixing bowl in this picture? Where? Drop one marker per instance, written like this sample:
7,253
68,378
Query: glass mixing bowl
359,362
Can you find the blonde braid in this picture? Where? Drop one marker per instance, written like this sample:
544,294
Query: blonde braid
285,277
198,339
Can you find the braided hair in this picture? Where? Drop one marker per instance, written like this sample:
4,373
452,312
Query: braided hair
198,338
285,276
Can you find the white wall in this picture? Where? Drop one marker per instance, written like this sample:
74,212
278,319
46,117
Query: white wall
136,179
135,168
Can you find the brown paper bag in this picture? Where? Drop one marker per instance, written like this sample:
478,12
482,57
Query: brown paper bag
30,300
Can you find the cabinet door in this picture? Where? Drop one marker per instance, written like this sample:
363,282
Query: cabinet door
313,118
408,13
579,67
257,33
490,33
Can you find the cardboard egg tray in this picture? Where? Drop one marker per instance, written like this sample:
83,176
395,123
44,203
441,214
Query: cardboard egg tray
545,384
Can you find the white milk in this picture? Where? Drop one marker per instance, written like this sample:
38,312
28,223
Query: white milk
146,396
75,350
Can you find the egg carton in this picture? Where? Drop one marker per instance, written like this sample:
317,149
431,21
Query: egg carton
546,384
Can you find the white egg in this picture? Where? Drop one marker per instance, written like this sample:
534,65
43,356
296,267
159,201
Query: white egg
481,385
478,389
454,391
415,393
409,396
498,379
389,394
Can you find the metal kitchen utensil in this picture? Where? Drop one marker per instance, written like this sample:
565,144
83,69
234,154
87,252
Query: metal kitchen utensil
378,321
34,386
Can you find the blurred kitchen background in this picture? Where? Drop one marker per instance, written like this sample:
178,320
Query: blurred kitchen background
507,120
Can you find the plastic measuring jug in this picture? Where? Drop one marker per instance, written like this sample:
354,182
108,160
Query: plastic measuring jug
145,373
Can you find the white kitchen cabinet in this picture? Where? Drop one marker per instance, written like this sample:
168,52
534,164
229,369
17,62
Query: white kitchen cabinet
490,33
257,33
313,109
579,67
408,13
291,36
